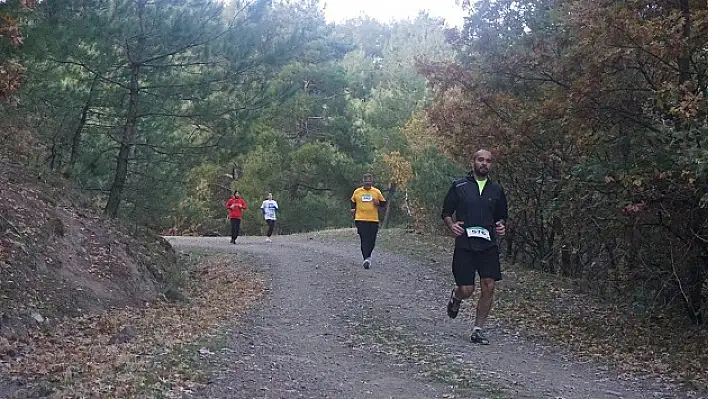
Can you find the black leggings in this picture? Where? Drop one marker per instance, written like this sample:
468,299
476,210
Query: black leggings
235,228
271,225
367,233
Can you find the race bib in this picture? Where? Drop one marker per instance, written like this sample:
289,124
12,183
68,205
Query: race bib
478,232
367,198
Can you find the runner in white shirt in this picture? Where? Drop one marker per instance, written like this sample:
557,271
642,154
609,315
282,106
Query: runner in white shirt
269,209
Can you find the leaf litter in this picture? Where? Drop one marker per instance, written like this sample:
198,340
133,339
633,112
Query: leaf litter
74,359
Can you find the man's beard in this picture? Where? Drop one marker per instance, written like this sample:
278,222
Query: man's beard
481,173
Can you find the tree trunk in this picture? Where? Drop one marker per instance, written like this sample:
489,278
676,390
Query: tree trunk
694,299
556,228
511,250
55,154
695,292
76,138
387,209
127,145
684,61
566,262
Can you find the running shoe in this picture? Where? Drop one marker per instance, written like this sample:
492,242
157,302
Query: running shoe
478,337
367,263
453,305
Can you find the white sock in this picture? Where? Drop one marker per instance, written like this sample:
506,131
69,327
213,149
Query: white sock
475,329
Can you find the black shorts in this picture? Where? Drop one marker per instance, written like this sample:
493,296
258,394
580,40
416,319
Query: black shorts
466,263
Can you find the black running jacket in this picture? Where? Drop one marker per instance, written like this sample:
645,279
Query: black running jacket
465,201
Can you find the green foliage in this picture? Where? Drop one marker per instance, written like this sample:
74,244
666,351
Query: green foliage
201,80
434,173
596,113
161,110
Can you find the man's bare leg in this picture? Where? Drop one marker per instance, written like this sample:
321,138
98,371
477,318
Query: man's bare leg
483,307
464,291
485,301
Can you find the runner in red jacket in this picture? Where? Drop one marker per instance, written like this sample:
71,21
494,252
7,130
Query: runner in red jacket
236,205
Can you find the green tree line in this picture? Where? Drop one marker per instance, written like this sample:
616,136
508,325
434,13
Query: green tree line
158,110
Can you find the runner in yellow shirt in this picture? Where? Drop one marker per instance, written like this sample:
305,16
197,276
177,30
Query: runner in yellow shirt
366,201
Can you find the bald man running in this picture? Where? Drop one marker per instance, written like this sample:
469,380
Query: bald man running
480,209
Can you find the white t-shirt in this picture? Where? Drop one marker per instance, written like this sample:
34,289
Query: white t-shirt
269,207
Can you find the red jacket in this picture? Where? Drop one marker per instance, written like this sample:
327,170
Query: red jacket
235,206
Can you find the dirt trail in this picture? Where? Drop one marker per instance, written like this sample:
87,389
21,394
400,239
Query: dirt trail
327,328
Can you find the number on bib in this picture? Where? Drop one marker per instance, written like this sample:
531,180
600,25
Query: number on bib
478,232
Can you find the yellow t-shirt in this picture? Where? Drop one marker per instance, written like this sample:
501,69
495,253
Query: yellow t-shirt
366,210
